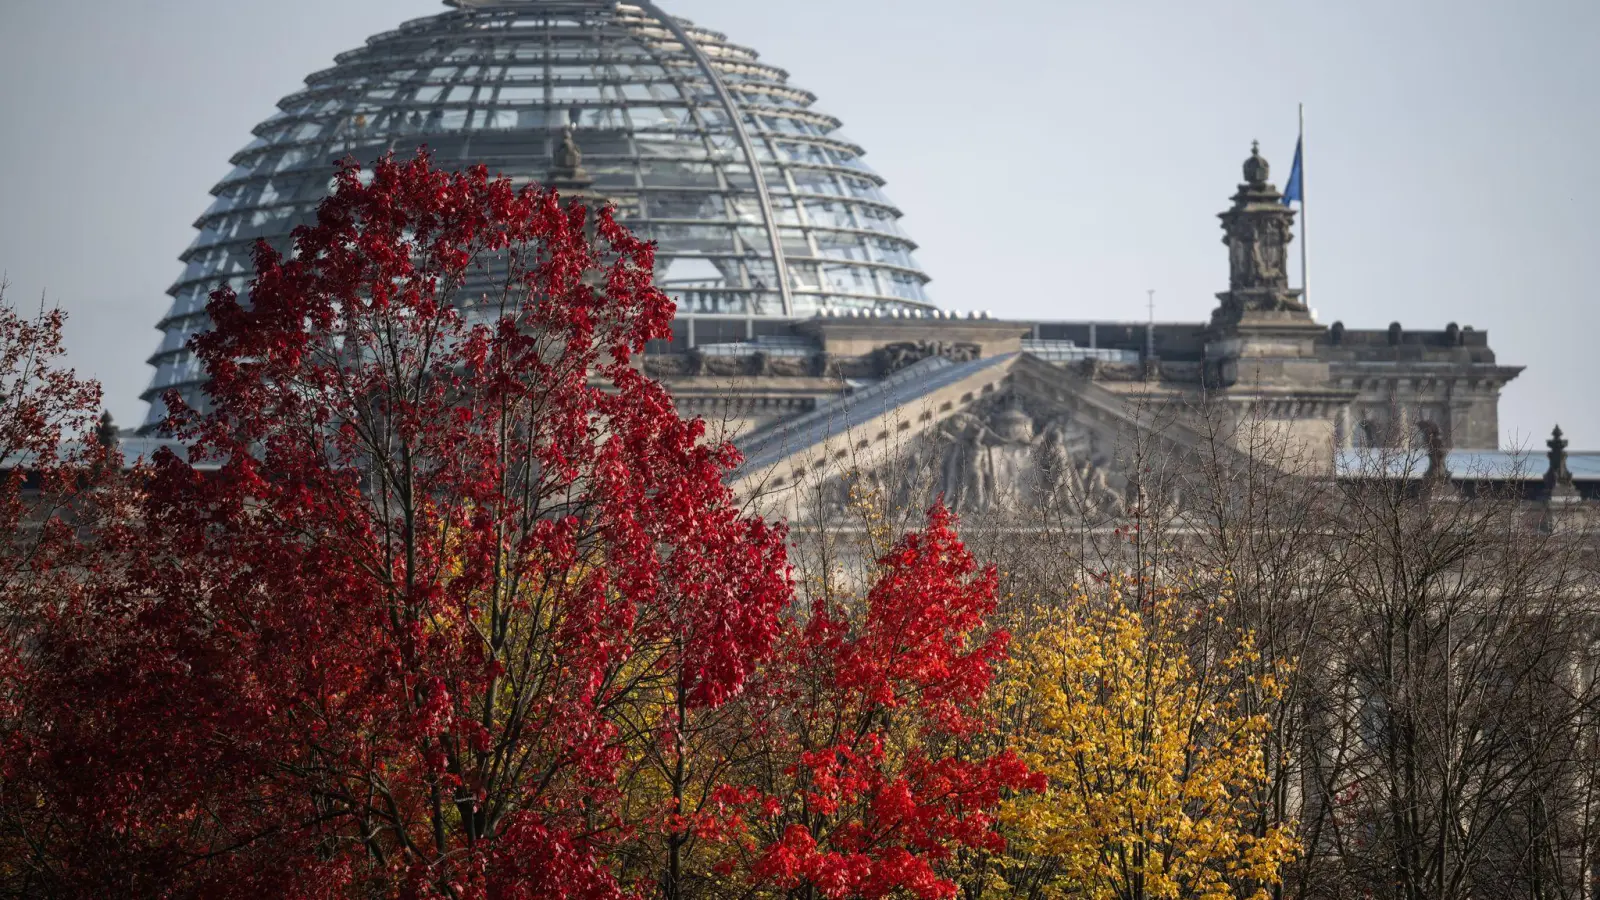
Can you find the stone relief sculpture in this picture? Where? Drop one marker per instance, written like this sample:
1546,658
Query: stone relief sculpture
975,465
1257,250
998,458
1266,255
1239,263
894,357
1068,472
704,364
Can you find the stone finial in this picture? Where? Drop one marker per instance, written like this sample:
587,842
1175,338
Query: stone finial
106,432
1561,497
1256,169
1557,478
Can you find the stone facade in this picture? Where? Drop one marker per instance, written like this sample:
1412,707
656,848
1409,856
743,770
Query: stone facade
1401,377
992,410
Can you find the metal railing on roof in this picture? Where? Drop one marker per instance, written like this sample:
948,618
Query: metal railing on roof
1069,351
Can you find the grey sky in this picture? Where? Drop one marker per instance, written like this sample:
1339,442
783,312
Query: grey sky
1053,158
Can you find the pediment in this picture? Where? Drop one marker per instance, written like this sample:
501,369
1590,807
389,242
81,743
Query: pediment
991,436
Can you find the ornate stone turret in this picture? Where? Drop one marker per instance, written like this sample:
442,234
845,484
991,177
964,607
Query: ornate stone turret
1261,332
1261,354
1257,233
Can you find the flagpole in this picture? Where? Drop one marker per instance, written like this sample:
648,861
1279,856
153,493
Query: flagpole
1305,271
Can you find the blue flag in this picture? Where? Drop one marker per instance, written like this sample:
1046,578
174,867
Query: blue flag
1295,189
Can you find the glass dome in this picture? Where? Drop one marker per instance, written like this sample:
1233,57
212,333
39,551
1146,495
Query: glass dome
703,148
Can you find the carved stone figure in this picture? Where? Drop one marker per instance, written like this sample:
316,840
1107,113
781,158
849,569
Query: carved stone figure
1068,474
1257,239
1054,460
968,476
850,367
1117,371
568,158
719,365
1266,254
1238,263
996,457
1001,458
1433,438
894,357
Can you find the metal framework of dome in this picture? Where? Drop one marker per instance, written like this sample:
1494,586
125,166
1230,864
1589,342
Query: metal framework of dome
702,147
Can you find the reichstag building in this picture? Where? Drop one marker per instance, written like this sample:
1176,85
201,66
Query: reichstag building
803,321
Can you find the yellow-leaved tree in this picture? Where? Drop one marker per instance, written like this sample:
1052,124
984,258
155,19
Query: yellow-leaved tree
1138,712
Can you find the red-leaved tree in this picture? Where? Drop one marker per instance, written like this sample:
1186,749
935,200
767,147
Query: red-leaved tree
878,712
853,767
47,447
444,599
51,465
448,535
